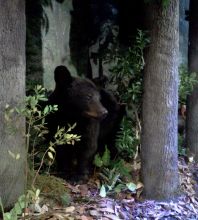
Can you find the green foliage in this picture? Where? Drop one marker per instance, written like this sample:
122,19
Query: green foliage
126,81
126,73
122,167
187,83
112,174
63,136
31,108
104,160
113,183
35,120
111,179
126,78
31,197
35,123
127,141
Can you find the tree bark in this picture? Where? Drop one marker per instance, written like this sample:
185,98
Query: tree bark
192,102
159,151
12,91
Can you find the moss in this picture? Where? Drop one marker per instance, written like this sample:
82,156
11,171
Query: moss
52,188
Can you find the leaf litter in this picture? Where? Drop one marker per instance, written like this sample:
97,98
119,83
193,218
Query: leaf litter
86,204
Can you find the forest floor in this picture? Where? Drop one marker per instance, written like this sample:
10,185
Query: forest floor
87,204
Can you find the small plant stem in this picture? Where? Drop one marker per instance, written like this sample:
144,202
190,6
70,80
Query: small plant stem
27,149
41,164
33,150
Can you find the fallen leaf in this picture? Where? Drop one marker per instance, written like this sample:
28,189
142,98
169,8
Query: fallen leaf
69,209
83,190
83,217
113,217
94,213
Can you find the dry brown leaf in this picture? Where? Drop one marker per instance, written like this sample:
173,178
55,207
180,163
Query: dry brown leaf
83,217
69,209
80,210
83,190
139,185
95,213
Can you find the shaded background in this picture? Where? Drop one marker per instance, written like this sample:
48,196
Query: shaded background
79,33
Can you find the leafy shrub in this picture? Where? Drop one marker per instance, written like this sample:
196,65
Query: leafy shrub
127,142
35,129
126,78
114,175
187,83
35,123
126,72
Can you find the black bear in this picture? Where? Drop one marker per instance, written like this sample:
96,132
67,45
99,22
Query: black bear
78,102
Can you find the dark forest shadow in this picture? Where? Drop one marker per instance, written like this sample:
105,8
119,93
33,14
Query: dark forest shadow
88,19
36,21
34,68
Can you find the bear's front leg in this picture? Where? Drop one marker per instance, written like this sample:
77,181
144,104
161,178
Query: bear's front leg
89,145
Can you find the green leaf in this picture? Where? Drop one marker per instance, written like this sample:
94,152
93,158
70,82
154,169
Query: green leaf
8,216
55,107
103,192
17,208
50,155
43,99
38,87
52,149
106,157
33,102
22,201
46,110
119,188
98,161
131,186
37,193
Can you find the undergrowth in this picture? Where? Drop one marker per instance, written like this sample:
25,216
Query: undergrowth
34,109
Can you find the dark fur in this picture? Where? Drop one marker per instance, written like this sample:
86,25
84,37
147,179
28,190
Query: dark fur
78,102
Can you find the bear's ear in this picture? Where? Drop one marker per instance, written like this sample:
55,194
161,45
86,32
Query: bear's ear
62,76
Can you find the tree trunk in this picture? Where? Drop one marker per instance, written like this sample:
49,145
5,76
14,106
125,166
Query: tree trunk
159,151
192,103
12,91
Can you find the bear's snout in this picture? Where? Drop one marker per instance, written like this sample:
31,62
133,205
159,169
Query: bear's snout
97,112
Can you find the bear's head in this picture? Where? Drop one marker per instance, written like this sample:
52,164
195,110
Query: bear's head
78,95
